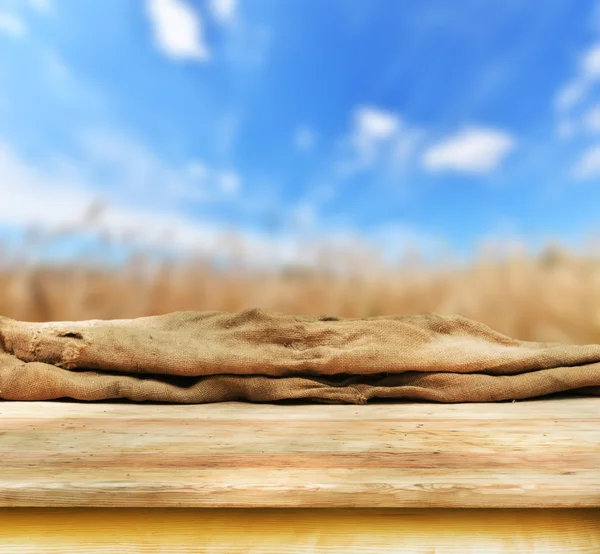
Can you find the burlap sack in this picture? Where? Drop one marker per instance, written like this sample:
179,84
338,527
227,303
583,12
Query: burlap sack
258,356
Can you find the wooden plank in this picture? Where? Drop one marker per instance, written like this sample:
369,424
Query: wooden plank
263,531
538,453
269,531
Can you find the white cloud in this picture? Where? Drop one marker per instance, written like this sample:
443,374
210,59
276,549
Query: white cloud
378,139
304,138
591,119
57,196
373,126
570,95
588,73
229,182
474,150
588,164
41,5
590,62
223,11
48,197
178,29
12,26
132,168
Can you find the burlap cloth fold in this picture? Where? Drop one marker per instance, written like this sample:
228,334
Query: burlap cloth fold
258,356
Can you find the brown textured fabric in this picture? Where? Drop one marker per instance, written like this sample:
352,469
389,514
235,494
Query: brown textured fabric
259,356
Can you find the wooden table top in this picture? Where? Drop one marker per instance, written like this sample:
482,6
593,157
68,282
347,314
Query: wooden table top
536,453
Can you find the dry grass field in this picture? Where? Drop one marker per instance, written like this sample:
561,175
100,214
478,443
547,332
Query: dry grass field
554,296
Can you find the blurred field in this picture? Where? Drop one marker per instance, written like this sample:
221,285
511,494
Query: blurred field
554,296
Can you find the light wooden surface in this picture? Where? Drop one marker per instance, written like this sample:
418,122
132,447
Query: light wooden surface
298,531
539,453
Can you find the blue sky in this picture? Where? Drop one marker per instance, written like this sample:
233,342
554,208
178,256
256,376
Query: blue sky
395,121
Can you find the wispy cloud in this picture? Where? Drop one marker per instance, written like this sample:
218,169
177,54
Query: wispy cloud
229,182
12,26
39,196
378,137
476,150
41,5
569,95
224,11
577,114
178,29
304,138
588,73
373,127
588,164
591,119
129,166
57,196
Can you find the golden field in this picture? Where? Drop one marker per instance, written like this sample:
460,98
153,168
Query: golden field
554,296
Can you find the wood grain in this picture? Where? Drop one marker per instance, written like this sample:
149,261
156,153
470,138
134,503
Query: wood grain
298,531
538,453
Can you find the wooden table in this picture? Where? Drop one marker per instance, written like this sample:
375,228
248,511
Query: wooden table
235,477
